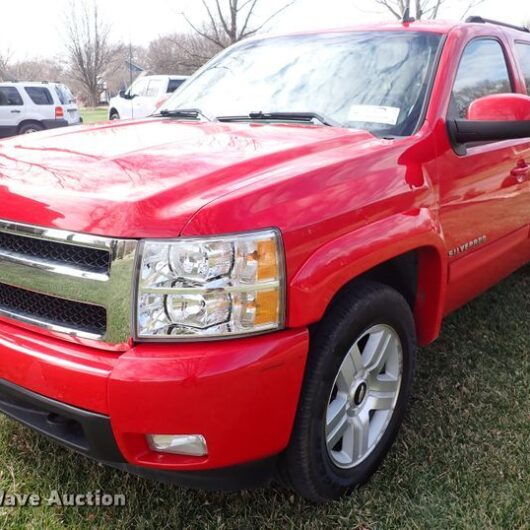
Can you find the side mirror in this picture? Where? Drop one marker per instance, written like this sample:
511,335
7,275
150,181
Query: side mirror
125,94
493,119
500,107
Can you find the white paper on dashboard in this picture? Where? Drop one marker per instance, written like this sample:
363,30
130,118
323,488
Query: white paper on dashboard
374,114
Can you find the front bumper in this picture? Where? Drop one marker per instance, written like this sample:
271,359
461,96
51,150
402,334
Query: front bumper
91,434
241,395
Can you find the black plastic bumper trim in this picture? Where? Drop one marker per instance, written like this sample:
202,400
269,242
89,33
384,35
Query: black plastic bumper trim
54,124
7,130
234,478
81,430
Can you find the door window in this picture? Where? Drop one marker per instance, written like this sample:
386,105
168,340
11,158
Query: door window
482,72
523,53
9,97
139,88
39,95
154,88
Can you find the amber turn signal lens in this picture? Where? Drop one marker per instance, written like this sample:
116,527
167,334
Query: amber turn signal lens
268,260
267,307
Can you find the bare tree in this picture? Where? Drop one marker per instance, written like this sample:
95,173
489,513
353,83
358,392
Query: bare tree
179,53
229,21
118,75
89,50
196,51
37,70
4,63
424,8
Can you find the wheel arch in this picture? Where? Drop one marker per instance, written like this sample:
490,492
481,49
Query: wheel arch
28,121
405,252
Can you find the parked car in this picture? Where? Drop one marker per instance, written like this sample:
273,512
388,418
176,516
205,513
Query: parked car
236,287
31,107
144,96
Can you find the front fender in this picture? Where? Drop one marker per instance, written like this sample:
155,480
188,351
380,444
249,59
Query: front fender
340,261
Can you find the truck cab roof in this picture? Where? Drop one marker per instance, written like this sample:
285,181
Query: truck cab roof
430,26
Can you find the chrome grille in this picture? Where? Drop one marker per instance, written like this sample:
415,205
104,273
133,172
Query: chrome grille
90,259
76,286
35,307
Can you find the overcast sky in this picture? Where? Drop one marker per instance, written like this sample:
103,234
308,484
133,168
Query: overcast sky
32,28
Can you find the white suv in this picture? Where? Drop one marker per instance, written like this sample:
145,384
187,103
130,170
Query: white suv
144,96
31,107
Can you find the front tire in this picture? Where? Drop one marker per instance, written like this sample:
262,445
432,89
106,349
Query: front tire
114,115
355,394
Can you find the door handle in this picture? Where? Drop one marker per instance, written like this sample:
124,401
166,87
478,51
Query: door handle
521,173
15,112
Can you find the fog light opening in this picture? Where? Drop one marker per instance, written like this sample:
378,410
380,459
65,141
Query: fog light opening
182,444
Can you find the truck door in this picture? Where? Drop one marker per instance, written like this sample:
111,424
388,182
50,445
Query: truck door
139,92
153,95
484,189
522,51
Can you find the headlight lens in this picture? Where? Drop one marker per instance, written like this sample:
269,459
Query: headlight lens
210,287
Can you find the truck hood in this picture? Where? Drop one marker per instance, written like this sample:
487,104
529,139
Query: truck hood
147,178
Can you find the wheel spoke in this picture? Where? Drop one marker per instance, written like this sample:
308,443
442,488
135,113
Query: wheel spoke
384,383
351,366
381,401
336,422
360,434
377,349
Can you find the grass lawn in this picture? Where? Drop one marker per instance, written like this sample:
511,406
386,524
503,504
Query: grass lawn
93,115
462,460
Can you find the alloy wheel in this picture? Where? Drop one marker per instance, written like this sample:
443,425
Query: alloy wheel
363,397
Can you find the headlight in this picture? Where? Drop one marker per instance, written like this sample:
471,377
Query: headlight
210,287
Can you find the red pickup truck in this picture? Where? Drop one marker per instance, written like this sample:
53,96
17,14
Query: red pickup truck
235,287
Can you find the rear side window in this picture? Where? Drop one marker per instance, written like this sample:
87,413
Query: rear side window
61,96
523,53
483,71
39,95
9,97
64,94
173,85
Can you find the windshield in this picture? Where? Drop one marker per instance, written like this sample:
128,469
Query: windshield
377,81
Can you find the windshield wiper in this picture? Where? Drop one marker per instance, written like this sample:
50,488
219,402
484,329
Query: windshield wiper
284,116
189,114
